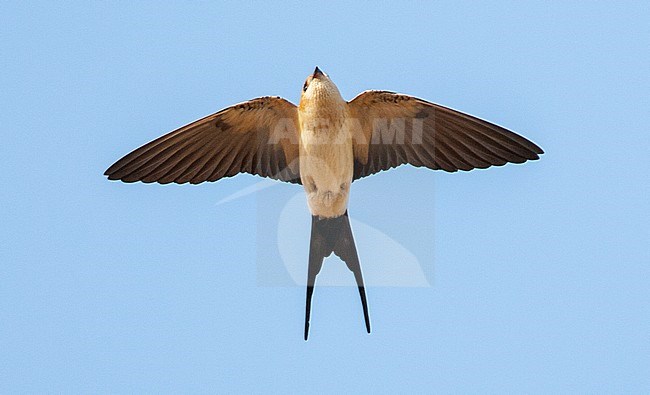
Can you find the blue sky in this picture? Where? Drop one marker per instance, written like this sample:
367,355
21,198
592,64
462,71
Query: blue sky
538,273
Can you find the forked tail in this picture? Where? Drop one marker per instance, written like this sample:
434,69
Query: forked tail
333,235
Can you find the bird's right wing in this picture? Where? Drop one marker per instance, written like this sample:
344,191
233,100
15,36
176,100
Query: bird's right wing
393,129
259,136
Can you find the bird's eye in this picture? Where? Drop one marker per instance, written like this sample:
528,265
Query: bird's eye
304,87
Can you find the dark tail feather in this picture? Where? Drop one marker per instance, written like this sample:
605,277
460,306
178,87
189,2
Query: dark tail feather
333,235
347,251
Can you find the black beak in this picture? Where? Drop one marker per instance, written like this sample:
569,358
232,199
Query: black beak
317,73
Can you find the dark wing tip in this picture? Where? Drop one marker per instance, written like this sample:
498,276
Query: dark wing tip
111,175
110,171
113,172
532,146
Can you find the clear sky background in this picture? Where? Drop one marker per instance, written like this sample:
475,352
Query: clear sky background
539,273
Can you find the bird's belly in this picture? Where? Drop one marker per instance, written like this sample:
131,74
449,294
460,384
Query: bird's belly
326,166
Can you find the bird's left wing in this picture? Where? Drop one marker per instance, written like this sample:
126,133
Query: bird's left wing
392,129
259,136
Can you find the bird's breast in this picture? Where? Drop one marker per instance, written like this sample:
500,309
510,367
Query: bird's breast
326,164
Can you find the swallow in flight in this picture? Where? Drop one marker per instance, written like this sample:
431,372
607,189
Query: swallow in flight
324,144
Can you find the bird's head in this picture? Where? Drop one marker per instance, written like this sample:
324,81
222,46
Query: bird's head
319,88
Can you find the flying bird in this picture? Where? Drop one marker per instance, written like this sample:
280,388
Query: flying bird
325,143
